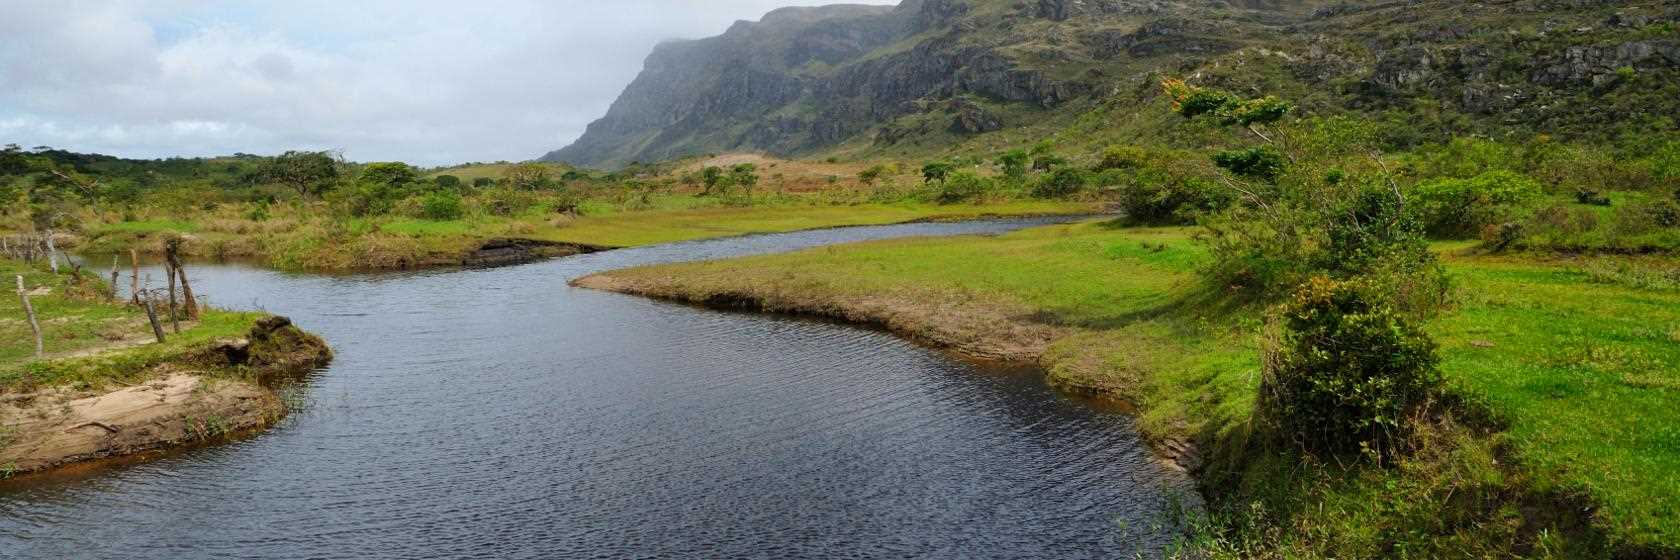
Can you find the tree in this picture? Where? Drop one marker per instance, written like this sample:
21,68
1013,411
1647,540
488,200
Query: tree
308,173
528,176
1044,157
936,171
745,175
1014,163
712,176
380,186
447,182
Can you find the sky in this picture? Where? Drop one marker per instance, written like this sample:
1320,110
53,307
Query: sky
429,82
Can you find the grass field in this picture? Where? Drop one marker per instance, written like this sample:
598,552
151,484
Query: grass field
1579,371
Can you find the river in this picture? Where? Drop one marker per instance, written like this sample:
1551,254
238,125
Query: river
499,413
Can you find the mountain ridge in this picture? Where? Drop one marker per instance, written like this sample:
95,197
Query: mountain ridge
802,80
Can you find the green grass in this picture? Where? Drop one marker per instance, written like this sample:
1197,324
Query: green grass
1584,374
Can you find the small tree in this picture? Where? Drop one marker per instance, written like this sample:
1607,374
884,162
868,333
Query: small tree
528,176
308,173
1014,164
447,182
745,175
379,187
712,176
936,171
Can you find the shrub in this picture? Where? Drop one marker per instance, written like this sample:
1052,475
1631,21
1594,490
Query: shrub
1264,162
961,186
447,182
1156,197
872,174
1501,236
936,171
1122,157
1344,371
441,205
1462,207
505,201
1592,197
1014,163
1060,183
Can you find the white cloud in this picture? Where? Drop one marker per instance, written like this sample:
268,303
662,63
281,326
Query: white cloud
426,82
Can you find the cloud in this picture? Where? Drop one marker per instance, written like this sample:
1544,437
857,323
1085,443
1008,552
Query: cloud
429,82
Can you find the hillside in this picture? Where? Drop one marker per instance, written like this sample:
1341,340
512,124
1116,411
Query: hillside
936,73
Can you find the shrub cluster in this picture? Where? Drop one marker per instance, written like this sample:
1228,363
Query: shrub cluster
1458,208
1345,371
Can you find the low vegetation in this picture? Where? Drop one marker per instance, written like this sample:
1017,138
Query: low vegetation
1376,354
307,210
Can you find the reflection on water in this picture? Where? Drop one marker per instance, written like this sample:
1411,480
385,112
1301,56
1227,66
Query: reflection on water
500,413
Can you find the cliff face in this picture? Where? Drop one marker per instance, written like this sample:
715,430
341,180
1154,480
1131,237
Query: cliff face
802,79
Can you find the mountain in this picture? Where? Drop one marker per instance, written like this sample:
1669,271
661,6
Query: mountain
802,80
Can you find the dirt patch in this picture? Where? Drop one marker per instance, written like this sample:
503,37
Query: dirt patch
981,330
54,427
506,251
224,388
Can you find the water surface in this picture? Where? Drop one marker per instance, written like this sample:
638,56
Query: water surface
501,414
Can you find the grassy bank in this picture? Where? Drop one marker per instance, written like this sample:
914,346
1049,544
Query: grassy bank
91,342
106,388
1562,445
298,238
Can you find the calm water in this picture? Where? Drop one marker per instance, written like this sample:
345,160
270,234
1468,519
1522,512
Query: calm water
501,414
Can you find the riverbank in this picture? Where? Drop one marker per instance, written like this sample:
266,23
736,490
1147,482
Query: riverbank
306,239
1562,445
106,388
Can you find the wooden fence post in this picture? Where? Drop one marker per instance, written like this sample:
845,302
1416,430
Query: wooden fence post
52,252
172,253
174,318
134,276
151,315
40,348
113,278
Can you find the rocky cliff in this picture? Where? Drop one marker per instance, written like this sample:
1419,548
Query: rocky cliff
804,79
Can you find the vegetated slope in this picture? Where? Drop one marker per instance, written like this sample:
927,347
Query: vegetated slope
941,71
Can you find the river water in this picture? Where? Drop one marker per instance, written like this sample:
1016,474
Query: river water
499,413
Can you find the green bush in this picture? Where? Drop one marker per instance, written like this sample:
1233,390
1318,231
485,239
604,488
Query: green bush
1591,197
962,186
1264,162
1157,197
1122,157
441,205
1462,207
1063,182
1344,371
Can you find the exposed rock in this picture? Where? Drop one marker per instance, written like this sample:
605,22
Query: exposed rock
972,118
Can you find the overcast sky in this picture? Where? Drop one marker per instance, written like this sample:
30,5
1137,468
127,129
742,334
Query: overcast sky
424,81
